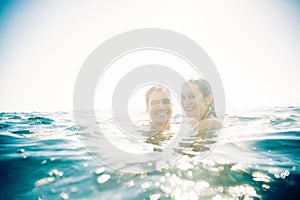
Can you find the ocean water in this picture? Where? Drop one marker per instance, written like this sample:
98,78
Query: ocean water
255,156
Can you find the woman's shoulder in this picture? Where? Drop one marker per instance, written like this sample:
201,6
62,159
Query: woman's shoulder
209,124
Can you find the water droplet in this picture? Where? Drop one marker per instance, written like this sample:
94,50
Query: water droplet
143,175
146,185
103,178
60,174
154,196
64,195
220,189
73,189
284,174
217,197
44,162
157,184
56,173
53,172
167,190
265,187
130,183
162,179
259,176
100,170
21,150
44,181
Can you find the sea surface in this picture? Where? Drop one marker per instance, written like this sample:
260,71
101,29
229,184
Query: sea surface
255,156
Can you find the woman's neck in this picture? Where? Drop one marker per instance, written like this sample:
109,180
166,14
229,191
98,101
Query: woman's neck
206,115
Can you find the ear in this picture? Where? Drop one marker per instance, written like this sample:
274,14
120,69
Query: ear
208,100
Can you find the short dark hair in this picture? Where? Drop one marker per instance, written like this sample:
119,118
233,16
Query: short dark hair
157,88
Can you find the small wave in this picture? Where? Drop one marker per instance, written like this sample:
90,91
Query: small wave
21,132
280,120
40,120
4,126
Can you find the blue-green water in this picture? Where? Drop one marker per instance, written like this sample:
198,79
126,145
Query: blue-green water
257,156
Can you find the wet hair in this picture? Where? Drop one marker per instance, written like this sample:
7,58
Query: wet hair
157,88
205,89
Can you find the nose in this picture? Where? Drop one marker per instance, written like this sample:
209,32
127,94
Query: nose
160,106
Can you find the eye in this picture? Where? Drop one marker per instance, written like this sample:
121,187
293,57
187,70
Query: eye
166,101
154,102
192,96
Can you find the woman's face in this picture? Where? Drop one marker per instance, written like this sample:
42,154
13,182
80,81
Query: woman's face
193,102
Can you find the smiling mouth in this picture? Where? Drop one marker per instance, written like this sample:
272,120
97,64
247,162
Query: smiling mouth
162,113
189,109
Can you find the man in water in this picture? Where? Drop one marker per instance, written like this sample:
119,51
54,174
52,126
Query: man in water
159,107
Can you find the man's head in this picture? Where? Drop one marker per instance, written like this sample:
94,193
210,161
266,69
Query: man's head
159,107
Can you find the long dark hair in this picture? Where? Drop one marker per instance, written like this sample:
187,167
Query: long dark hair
206,91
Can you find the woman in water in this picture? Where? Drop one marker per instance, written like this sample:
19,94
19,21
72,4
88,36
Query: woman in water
198,103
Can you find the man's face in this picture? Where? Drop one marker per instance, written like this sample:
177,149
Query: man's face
159,108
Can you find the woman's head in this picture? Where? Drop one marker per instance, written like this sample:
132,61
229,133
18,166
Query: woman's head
197,99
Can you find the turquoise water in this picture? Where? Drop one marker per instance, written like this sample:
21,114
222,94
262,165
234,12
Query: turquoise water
257,156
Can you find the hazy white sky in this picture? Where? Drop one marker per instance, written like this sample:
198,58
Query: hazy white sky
43,44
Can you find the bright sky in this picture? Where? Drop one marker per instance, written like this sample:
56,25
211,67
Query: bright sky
254,45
